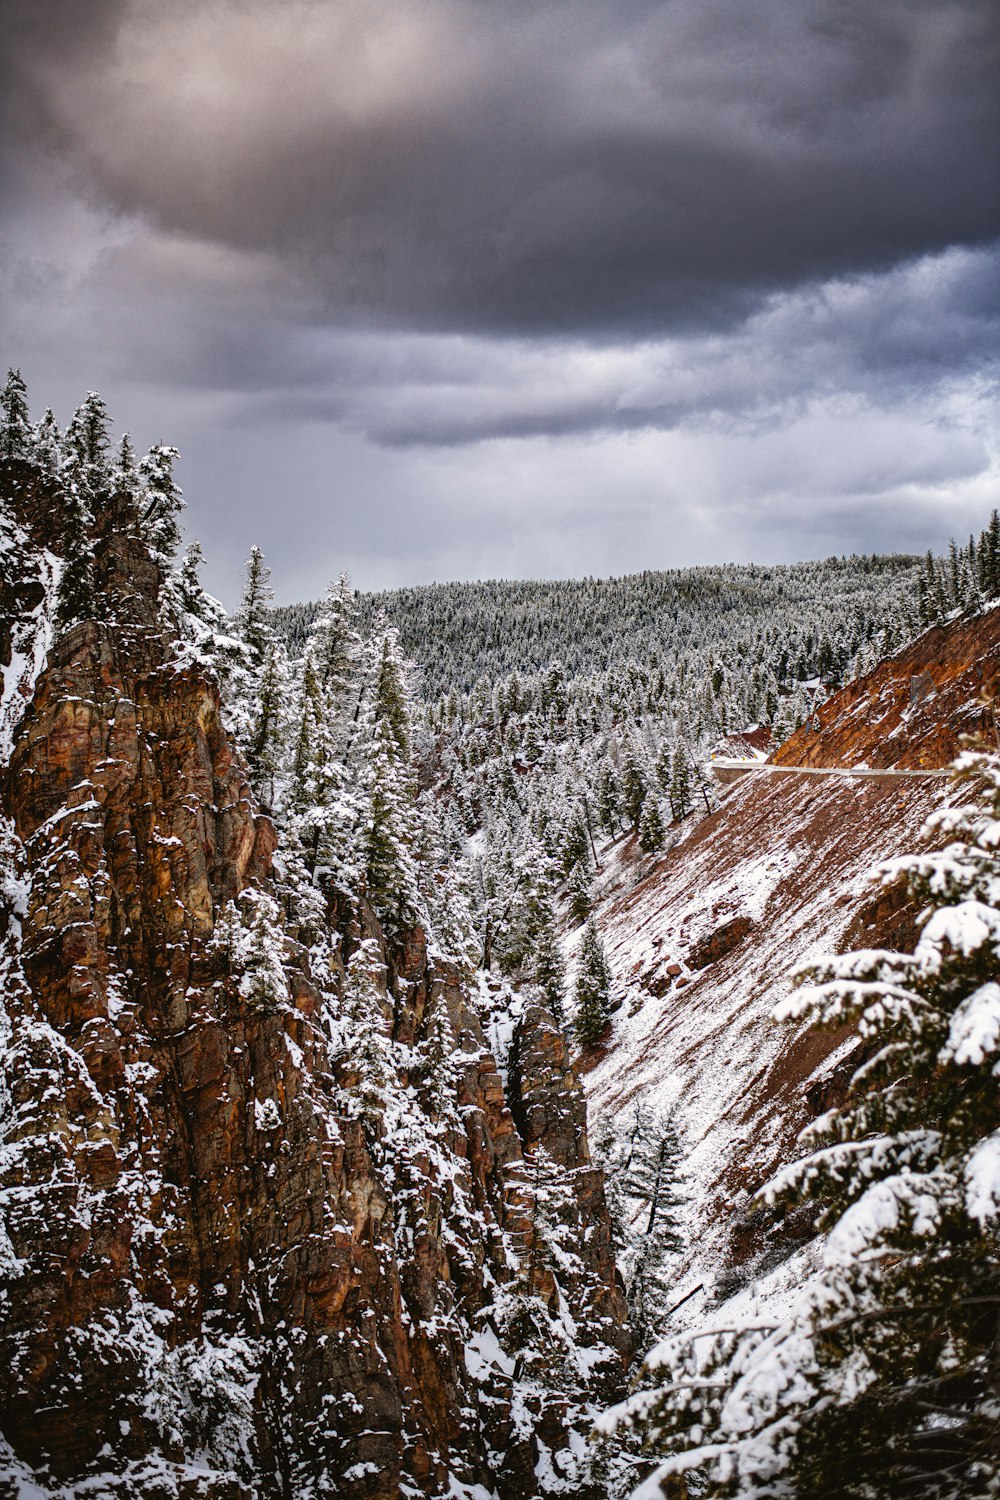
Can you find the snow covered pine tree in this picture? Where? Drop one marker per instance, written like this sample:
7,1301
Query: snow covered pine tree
592,992
884,1378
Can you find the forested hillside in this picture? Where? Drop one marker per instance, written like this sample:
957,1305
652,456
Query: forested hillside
553,715
797,621
308,946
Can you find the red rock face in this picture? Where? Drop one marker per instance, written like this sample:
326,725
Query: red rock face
216,1277
913,709
777,876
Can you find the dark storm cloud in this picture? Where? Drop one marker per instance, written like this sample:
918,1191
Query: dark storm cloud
553,167
459,288
886,338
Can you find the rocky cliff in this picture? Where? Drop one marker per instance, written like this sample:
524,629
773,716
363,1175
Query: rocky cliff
913,709
245,1250
702,939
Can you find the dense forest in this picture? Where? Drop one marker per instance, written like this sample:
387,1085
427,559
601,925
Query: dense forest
457,758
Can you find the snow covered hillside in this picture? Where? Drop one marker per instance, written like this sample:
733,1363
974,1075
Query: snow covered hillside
701,940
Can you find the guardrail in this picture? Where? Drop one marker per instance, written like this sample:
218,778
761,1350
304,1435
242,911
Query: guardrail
731,770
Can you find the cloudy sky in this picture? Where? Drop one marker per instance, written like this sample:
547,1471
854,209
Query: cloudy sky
438,289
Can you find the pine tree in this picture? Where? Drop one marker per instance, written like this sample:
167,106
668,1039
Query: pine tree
574,845
382,750
703,784
592,992
435,1074
547,968
663,767
48,444
366,1051
76,595
541,1210
335,643
124,485
633,782
390,877
312,770
989,558
192,596
266,736
253,617
87,441
882,1379
84,483
642,1172
680,785
651,831
16,436
389,694
250,935
163,503
651,1177
579,893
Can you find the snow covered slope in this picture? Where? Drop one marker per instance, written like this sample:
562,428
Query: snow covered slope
701,947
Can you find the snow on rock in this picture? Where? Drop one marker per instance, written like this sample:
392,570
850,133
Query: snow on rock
791,857
31,636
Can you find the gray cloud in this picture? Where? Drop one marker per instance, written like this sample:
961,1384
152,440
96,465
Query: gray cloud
557,286
567,166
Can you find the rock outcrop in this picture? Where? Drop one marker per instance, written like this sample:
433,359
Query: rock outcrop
703,945
219,1274
911,712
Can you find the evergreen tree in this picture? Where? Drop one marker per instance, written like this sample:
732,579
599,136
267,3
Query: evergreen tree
651,831
648,1290
48,445
264,749
541,1211
664,767
312,766
389,694
680,785
253,617
382,750
249,933
531,744
651,1177
75,599
84,481
989,558
574,845
16,436
547,968
199,620
633,782
388,828
124,485
163,503
882,1379
435,1072
336,645
75,596
579,893
87,441
191,595
703,784
592,992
